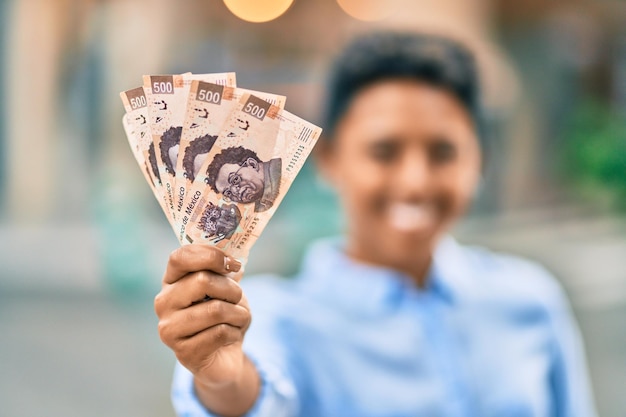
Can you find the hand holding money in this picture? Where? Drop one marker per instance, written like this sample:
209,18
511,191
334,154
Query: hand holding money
219,158
203,317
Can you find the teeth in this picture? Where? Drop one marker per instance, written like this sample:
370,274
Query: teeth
410,217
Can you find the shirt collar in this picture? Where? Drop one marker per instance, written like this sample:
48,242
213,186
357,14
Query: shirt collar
450,269
331,276
271,175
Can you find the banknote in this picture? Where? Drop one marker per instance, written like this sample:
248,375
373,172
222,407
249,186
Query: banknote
208,108
252,124
137,129
167,98
248,171
134,134
219,159
296,139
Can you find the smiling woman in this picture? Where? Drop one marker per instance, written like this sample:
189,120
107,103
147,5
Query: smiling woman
405,163
395,318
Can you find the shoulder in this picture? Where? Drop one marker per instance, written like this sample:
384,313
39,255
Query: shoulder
276,164
274,168
283,303
274,297
511,277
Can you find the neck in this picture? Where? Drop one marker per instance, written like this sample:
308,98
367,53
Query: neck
415,265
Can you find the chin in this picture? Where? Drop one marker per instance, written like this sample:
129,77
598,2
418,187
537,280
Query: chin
411,243
420,232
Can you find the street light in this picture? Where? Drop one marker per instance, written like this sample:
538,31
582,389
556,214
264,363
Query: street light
368,10
258,11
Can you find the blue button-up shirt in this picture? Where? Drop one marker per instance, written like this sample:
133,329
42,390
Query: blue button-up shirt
491,335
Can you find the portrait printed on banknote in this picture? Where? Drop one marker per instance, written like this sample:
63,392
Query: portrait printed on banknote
240,176
169,145
152,159
195,154
219,222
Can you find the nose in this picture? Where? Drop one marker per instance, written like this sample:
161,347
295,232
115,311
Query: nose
413,176
231,191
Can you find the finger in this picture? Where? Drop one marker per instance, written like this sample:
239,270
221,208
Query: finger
196,287
187,323
194,349
244,302
236,276
192,258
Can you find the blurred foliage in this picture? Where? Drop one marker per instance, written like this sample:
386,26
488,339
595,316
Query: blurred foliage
122,237
595,154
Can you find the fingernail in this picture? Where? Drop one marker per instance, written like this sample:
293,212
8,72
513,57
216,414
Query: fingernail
231,265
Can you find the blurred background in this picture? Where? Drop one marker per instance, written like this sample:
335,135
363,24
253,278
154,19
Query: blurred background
83,243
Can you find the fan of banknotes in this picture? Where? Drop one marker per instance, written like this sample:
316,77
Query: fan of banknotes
219,158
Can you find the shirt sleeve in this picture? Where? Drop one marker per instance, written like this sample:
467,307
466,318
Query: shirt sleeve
569,374
268,351
276,398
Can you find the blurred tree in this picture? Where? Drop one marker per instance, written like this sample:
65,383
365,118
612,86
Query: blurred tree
595,154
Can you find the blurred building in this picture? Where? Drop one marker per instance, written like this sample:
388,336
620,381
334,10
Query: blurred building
63,63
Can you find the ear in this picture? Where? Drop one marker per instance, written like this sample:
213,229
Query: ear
253,163
324,157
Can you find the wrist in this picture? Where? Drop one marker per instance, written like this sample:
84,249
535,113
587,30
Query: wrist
230,395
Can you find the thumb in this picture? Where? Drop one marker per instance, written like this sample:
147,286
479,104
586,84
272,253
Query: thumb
235,274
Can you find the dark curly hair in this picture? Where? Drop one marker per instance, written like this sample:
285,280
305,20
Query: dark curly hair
153,162
435,60
170,138
203,144
235,155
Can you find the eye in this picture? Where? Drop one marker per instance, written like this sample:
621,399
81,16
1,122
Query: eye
384,151
442,151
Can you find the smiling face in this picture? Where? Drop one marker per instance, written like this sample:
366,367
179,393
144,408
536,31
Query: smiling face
241,183
405,161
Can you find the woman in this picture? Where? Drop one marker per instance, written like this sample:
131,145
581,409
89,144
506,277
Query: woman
394,319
